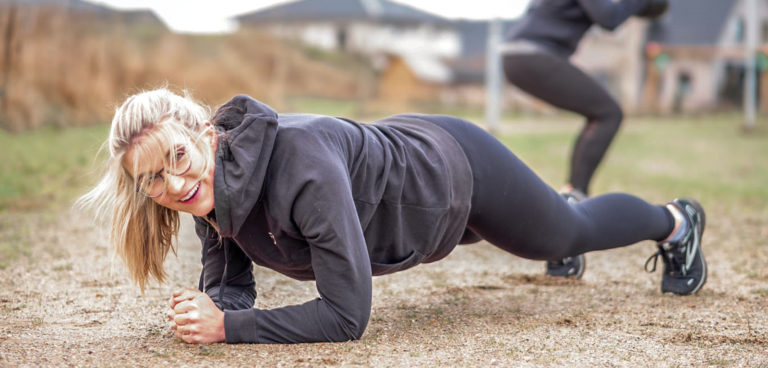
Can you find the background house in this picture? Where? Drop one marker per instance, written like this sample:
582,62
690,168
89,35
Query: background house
691,59
695,56
407,46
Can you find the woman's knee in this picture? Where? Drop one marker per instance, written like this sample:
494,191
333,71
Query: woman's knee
611,116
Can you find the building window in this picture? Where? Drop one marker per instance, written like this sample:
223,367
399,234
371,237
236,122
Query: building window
763,32
684,89
740,29
341,39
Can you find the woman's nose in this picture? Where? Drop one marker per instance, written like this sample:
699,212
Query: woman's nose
175,183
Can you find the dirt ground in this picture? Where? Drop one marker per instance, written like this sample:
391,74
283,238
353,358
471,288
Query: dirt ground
68,303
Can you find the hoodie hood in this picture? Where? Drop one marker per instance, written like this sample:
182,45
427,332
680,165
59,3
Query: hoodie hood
247,136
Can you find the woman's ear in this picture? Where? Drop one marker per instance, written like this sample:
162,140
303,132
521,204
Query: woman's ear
212,135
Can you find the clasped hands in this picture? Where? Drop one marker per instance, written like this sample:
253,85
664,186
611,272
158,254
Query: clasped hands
194,317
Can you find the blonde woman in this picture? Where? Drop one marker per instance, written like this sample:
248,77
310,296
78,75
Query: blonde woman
328,199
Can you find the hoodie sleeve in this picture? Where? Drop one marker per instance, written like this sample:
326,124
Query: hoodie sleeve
610,14
324,211
239,292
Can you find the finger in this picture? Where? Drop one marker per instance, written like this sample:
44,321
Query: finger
183,290
186,318
173,326
171,302
185,306
178,333
186,295
180,291
192,339
185,331
169,313
182,330
189,339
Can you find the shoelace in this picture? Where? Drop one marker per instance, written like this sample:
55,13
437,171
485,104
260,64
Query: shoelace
673,264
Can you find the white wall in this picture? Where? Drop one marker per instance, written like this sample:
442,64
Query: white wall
373,38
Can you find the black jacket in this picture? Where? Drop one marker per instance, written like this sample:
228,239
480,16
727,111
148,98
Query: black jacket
559,25
326,199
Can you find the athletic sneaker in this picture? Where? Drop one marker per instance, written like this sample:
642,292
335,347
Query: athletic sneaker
569,266
685,270
574,196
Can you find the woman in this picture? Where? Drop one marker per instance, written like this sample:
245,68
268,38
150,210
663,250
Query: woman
331,200
536,61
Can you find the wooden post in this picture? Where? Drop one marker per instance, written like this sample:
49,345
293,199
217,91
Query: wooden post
493,75
750,55
8,38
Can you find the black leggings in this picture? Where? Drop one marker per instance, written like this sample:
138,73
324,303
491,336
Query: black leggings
515,210
555,80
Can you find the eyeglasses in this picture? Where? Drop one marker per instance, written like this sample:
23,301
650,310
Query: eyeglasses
153,185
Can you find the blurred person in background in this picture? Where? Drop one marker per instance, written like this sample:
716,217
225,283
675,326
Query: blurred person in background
332,200
535,60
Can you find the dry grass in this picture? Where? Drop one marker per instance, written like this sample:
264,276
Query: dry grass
60,68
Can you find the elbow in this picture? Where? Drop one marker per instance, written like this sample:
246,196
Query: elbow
353,326
357,332
354,329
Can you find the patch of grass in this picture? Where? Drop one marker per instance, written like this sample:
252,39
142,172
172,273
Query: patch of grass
513,310
9,252
46,167
63,267
709,159
436,311
11,244
717,162
163,354
719,362
211,351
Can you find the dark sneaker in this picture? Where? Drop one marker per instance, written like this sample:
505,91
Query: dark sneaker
574,196
568,267
685,270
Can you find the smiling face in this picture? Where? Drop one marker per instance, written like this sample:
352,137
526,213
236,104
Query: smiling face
170,168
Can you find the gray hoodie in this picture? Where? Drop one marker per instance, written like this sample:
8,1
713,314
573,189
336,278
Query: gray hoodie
326,199
559,25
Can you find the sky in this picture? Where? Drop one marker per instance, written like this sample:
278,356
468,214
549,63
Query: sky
199,16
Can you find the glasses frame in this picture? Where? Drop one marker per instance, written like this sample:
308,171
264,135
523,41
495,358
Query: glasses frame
165,171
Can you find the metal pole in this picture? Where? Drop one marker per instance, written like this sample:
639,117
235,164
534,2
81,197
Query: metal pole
750,56
493,75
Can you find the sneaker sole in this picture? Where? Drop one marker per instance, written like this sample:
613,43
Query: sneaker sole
578,274
700,210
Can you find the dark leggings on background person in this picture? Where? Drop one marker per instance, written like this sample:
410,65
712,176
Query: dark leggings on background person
515,210
555,80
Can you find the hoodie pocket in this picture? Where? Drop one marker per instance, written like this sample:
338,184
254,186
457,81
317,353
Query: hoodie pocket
411,260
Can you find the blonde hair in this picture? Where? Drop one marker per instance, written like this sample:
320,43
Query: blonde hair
141,230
